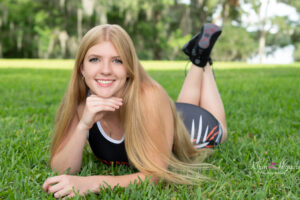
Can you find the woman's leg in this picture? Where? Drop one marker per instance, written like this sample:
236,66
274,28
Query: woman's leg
200,88
210,99
191,88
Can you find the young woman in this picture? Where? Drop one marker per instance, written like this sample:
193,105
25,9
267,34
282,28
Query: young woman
128,118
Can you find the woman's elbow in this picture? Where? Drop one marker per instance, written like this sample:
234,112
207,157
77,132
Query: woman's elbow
64,168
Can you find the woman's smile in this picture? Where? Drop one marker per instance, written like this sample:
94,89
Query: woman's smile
105,82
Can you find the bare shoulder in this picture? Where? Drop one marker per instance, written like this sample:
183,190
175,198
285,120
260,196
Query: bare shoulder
153,93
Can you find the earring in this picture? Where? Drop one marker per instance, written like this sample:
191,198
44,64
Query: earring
83,77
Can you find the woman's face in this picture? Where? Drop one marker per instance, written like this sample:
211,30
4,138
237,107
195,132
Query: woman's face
104,71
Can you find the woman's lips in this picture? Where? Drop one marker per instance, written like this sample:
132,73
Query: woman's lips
104,82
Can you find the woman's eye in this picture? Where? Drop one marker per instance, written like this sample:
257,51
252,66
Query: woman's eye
118,61
94,60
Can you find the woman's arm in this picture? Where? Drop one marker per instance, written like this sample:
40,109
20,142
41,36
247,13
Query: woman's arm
69,153
68,186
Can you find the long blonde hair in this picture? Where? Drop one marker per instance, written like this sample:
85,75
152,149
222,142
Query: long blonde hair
180,163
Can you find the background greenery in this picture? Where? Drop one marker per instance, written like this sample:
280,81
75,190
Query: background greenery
159,28
261,101
262,107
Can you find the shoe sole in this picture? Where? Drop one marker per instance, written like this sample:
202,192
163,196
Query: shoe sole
206,39
209,31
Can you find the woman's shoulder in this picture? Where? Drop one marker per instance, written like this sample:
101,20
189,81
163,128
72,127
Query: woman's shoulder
154,93
153,89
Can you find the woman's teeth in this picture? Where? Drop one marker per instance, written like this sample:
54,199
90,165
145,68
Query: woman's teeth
104,81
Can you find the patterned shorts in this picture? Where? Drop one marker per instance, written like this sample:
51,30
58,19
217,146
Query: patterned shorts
204,128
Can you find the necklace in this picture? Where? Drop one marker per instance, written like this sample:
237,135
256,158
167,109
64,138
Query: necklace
107,128
113,129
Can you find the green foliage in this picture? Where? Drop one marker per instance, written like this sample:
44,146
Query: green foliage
40,29
296,4
263,118
176,42
235,43
279,30
282,37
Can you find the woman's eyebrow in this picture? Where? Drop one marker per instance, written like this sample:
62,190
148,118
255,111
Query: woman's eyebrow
97,55
94,55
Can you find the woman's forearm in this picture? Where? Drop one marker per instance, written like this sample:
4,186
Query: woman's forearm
70,155
122,181
68,185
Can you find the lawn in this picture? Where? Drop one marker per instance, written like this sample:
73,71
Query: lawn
263,117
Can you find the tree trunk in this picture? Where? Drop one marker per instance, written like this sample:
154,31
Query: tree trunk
1,50
157,49
79,24
185,23
197,14
263,33
62,3
102,14
50,47
225,12
261,46
63,38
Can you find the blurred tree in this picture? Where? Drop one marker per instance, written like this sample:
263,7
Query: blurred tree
272,31
201,12
295,33
17,34
159,28
235,44
230,11
150,23
261,24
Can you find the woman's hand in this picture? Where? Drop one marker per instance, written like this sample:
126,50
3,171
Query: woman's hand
68,186
95,107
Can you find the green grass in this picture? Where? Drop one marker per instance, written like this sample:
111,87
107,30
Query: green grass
263,115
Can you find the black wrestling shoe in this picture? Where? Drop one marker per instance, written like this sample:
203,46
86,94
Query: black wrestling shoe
199,47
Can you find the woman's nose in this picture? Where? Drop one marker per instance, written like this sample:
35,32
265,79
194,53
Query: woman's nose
106,67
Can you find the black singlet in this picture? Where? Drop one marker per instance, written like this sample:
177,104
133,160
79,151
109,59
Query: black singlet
204,129
105,148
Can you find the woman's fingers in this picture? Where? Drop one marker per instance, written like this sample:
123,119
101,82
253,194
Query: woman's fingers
54,188
95,106
94,97
98,104
70,196
50,181
113,102
59,186
63,192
